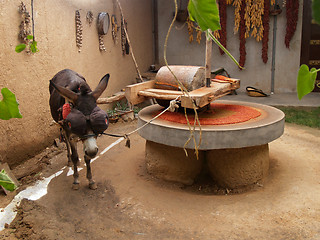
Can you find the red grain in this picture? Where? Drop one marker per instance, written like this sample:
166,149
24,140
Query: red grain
238,114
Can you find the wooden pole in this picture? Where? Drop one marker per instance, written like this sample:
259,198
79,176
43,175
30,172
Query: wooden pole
208,60
131,50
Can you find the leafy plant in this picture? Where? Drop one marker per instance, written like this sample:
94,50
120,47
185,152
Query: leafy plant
32,44
9,105
6,182
121,106
206,14
112,113
306,78
8,109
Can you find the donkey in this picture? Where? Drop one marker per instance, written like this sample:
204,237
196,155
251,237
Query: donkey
73,105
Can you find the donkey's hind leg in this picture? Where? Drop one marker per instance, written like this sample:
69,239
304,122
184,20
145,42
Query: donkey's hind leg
69,154
92,184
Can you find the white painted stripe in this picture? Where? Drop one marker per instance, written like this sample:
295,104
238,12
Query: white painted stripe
112,145
31,193
70,171
37,191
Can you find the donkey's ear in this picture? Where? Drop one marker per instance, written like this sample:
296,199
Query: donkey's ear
64,92
101,86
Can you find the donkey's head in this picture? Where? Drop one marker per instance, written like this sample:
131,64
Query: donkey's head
86,119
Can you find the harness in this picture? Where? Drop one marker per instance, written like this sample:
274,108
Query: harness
78,123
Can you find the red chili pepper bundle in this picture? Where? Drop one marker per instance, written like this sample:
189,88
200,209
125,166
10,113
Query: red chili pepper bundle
292,11
265,38
223,24
242,32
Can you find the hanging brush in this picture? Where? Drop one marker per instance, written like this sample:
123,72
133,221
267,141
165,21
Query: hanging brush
78,30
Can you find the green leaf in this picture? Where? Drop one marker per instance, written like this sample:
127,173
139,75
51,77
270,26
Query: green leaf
20,47
30,37
306,80
316,10
33,47
205,13
6,182
9,105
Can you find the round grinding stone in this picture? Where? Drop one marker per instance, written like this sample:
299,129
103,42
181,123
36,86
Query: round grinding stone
266,125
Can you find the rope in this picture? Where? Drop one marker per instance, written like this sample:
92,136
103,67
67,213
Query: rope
172,106
185,91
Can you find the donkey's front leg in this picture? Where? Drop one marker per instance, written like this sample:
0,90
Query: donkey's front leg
75,160
92,184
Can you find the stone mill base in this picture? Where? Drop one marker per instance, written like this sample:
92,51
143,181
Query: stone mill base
230,168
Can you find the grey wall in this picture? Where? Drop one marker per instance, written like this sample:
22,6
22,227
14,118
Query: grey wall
256,73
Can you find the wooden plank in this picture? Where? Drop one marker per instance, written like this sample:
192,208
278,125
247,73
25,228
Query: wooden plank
164,91
203,96
132,91
158,96
112,99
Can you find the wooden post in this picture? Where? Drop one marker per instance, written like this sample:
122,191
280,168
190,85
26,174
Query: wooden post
208,60
131,50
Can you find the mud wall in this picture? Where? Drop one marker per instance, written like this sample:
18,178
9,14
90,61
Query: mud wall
256,73
28,75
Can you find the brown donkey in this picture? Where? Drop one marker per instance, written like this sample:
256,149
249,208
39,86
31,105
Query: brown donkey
73,105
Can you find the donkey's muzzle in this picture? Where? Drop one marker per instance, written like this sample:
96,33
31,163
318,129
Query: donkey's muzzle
90,147
91,153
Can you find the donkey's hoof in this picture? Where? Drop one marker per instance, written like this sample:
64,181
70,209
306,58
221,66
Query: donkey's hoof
70,164
93,186
75,186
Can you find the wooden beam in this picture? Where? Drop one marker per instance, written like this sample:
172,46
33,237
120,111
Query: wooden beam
112,99
132,91
203,96
208,60
137,93
160,94
164,92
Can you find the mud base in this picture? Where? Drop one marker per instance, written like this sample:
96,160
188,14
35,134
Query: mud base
172,164
229,168
238,167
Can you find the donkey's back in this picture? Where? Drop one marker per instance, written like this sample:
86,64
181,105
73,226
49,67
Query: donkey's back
68,79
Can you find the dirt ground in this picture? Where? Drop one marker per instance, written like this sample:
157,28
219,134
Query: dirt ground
130,204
